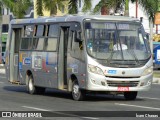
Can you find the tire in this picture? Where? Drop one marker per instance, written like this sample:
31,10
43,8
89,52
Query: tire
130,95
77,94
32,89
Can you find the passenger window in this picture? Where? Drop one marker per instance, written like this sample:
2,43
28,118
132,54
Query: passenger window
53,31
26,44
40,31
39,44
29,31
51,44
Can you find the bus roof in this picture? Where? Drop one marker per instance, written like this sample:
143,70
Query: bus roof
77,18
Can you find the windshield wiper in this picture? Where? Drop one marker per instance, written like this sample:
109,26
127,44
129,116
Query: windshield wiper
134,55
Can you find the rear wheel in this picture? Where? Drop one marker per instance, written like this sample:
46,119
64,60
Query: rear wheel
77,94
130,95
31,87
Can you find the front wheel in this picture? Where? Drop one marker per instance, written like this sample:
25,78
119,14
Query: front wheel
130,95
77,94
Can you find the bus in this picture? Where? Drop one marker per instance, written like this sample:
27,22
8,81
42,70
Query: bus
76,54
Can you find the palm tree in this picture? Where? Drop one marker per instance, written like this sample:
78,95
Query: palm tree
73,6
106,5
50,5
18,7
150,6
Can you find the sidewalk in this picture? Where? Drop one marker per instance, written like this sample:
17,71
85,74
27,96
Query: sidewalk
156,80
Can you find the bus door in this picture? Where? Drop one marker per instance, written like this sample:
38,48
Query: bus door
14,54
62,58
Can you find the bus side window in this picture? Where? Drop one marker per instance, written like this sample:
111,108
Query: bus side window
52,38
39,37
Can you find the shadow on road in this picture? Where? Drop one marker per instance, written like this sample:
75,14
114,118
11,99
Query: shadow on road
15,88
66,95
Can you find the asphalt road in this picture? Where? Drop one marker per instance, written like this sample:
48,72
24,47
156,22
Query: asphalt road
16,98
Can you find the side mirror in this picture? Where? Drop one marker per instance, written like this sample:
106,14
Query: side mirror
77,36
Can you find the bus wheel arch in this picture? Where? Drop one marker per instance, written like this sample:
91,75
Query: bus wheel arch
77,93
28,74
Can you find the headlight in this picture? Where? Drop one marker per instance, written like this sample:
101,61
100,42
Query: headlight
148,71
95,69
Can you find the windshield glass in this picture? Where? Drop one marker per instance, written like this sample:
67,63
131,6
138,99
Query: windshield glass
116,41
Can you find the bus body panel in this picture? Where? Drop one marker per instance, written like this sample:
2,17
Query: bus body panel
57,69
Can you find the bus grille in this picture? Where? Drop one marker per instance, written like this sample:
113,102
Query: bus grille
122,83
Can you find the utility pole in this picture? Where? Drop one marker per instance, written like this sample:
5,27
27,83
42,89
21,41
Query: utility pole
151,35
136,8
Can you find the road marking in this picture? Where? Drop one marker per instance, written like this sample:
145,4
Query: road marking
36,108
92,118
72,115
1,82
150,98
137,106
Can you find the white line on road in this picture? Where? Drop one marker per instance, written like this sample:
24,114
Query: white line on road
36,108
137,106
92,118
72,115
1,82
150,98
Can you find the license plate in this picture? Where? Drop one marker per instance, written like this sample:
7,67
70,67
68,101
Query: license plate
123,88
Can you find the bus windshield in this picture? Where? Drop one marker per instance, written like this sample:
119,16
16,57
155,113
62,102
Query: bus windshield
119,41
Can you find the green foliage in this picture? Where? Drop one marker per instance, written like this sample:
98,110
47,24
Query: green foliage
39,7
106,3
150,7
50,5
87,5
18,7
73,7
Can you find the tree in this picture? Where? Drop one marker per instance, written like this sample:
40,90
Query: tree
106,5
73,6
149,6
50,5
18,7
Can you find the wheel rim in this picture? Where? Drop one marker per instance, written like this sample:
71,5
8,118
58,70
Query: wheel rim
30,85
76,91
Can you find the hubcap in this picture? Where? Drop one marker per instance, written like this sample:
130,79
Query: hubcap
76,90
30,85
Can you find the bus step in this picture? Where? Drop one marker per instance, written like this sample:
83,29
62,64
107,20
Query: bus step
15,82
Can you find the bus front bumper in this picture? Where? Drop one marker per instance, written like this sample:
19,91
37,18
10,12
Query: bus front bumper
102,83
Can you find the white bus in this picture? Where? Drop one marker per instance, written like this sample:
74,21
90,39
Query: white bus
80,54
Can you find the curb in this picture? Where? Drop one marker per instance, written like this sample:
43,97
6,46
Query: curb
156,80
